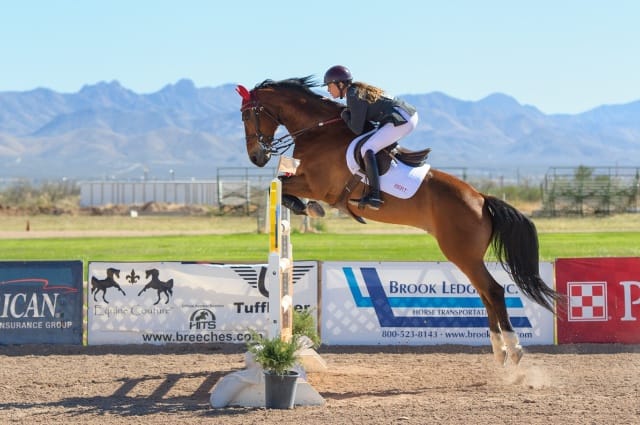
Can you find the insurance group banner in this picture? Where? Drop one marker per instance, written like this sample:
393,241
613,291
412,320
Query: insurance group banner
41,302
603,297
182,302
420,303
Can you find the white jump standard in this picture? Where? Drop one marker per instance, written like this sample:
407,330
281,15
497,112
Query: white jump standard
246,387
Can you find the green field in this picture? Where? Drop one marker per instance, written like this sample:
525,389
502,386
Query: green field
219,239
253,247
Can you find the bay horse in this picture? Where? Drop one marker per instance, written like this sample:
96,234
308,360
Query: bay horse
463,221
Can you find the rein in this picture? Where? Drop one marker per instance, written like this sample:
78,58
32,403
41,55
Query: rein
276,146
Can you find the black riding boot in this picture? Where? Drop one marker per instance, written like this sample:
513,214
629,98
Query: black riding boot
372,198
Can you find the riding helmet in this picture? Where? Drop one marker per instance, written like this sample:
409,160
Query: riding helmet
337,74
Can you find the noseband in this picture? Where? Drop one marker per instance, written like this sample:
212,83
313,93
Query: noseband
254,109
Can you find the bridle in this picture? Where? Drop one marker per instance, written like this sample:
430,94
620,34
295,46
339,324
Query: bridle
253,109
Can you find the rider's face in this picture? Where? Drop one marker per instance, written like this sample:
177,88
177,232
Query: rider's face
333,90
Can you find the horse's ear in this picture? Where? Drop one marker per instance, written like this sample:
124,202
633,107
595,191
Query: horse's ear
243,92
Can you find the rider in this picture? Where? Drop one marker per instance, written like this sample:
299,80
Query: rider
366,103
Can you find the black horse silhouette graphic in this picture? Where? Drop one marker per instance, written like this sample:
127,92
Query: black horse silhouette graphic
103,284
157,284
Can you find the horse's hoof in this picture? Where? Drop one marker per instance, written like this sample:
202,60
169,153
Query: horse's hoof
516,355
501,357
315,210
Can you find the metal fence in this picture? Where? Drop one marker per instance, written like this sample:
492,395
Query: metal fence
234,188
586,190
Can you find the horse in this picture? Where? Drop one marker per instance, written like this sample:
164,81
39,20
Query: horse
103,284
464,221
157,284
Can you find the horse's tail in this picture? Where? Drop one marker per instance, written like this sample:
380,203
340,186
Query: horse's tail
515,244
169,285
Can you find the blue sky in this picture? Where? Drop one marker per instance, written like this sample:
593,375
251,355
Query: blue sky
562,56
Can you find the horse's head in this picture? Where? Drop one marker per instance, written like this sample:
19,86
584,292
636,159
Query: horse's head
113,271
260,125
290,103
151,272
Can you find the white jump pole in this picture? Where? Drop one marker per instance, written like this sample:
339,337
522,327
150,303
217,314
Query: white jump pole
280,266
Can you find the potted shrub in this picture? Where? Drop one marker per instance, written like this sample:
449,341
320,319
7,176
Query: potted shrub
277,359
305,325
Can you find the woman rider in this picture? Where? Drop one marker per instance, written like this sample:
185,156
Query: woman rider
393,118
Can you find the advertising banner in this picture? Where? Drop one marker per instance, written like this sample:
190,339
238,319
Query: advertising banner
41,302
603,296
181,302
422,303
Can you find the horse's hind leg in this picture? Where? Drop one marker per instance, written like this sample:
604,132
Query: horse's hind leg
503,338
495,334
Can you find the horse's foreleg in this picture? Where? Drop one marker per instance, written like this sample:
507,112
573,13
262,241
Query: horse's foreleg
295,187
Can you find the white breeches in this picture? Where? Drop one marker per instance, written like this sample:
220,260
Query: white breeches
389,133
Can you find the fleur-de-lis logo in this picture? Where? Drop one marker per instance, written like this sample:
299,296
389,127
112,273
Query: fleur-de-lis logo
132,277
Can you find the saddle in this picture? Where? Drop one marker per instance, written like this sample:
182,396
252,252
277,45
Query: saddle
393,152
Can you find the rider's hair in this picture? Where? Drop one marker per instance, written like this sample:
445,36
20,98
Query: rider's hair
367,91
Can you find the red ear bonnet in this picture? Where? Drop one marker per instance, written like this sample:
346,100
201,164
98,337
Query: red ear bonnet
244,93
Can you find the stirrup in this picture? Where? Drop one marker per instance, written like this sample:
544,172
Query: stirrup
367,201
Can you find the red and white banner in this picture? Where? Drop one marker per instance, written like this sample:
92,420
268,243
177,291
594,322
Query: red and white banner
603,300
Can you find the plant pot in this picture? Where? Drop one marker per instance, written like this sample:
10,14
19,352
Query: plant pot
280,390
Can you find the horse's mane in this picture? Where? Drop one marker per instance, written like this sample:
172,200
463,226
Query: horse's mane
302,85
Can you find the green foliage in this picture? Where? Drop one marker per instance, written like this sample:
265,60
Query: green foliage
274,354
305,325
523,192
49,197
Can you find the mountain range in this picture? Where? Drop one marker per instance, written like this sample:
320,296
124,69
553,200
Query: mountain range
108,131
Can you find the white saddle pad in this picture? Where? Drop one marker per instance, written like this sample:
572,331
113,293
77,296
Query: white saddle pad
400,181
